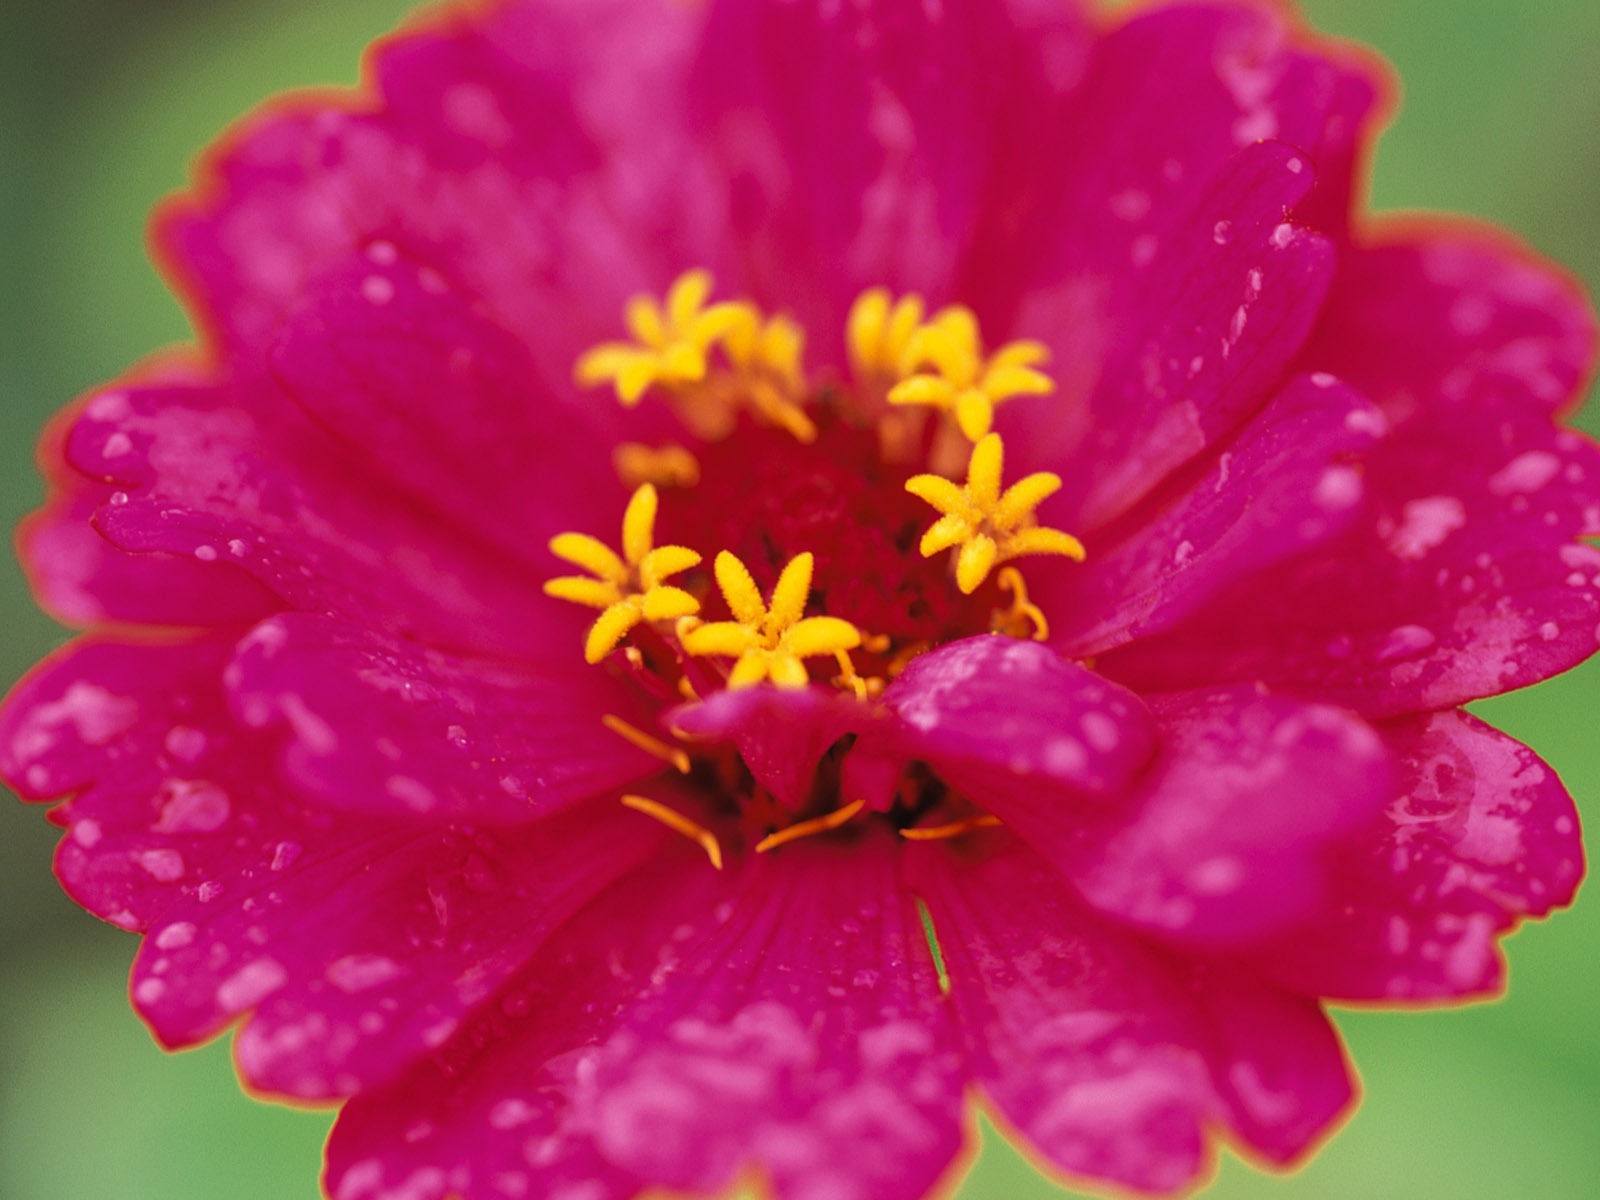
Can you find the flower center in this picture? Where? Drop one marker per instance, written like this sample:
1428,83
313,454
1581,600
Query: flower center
850,524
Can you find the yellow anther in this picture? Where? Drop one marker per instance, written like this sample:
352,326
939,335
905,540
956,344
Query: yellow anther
879,331
989,525
665,466
671,342
811,828
943,366
1024,618
628,587
650,745
678,823
938,833
769,642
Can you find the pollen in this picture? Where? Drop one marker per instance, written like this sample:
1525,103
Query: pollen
943,366
769,640
990,526
629,588
672,341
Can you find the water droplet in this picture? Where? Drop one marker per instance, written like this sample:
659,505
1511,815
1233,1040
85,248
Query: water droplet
163,865
377,290
175,936
1222,232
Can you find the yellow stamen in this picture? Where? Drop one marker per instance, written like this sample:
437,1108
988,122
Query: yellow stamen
942,365
671,342
629,588
816,825
989,526
769,643
678,823
650,745
938,833
1023,613
666,466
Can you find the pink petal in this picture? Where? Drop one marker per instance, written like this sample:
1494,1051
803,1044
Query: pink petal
538,152
1198,330
1012,724
443,404
1482,834
1287,482
1165,101
354,944
788,1017
863,143
139,734
1465,578
82,579
1226,837
224,478
781,735
1110,1057
375,724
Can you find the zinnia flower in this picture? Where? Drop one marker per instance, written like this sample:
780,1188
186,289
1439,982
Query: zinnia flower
728,572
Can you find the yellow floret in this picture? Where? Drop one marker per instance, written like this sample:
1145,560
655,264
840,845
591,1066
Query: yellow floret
769,641
989,526
943,366
629,587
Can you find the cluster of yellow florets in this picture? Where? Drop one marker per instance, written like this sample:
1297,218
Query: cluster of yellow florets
710,360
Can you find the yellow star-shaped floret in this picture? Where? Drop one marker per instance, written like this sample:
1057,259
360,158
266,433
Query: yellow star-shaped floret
770,641
672,341
879,330
989,525
961,380
766,353
628,587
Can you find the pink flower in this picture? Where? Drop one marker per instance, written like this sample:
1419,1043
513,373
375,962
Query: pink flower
1044,512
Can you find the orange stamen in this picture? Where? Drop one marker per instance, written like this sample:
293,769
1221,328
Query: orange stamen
650,745
810,828
938,833
678,823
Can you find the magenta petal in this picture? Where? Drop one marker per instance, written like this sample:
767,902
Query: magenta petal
1465,577
82,579
1226,838
781,734
1220,303
1287,482
356,943
1482,834
381,725
788,1018
538,150
445,404
1165,99
1110,1057
248,480
383,968
1012,724
122,726
860,142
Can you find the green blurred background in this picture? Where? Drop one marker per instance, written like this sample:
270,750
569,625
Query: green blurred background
102,105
